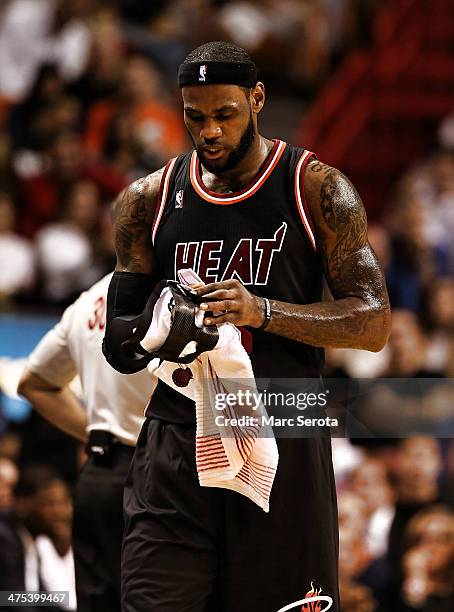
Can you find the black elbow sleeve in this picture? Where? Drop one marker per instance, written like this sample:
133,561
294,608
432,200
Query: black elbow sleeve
126,300
130,309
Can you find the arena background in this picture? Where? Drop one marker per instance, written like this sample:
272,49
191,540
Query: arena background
88,103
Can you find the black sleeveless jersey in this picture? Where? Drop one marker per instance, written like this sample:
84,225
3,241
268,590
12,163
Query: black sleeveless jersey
261,235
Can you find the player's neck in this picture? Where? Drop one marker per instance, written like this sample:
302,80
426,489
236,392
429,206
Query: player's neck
238,177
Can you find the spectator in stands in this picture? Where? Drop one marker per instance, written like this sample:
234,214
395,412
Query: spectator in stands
107,58
17,255
123,150
440,315
418,469
370,481
447,485
380,241
354,558
415,261
35,32
9,475
8,176
158,129
356,598
442,204
45,193
42,505
432,183
352,511
346,457
428,563
446,132
45,112
55,511
11,444
407,346
290,33
71,253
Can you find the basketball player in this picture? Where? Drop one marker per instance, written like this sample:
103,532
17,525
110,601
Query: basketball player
111,421
261,222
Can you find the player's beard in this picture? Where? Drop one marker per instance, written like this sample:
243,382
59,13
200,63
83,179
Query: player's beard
235,156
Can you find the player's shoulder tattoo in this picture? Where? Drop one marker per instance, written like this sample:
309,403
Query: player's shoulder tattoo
338,204
338,213
315,165
134,210
138,200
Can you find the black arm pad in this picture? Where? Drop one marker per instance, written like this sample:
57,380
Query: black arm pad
126,300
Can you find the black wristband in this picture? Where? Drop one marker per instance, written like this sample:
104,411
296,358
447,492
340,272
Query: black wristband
266,313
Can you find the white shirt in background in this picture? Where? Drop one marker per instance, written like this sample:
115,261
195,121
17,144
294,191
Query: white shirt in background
57,573
378,528
114,402
66,260
18,263
27,41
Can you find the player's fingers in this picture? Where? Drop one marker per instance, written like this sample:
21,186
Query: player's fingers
231,283
215,296
225,318
223,305
205,289
228,284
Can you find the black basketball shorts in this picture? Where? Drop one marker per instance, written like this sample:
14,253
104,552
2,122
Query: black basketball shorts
189,548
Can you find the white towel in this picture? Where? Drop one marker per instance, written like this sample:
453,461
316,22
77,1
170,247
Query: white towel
242,457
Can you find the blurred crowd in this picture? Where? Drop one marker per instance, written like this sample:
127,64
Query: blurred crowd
413,242
88,103
396,523
396,497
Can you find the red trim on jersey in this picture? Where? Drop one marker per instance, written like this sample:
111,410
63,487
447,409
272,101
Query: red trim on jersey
158,201
237,196
303,208
310,158
162,196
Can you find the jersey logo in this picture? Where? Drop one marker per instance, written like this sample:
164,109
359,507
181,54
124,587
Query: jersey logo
179,199
202,72
250,261
182,377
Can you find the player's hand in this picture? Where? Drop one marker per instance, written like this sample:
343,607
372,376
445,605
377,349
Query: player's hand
231,302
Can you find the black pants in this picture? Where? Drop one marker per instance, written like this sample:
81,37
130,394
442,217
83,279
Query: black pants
189,548
98,530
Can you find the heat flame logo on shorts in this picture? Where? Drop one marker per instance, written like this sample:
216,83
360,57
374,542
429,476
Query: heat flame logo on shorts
313,606
312,601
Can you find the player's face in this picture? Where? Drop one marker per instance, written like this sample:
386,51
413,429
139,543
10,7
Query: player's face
221,121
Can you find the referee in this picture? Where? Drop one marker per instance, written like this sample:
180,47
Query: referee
110,423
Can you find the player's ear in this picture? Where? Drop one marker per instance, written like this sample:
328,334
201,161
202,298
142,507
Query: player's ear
258,97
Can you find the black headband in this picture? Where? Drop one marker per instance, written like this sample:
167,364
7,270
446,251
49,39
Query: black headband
243,74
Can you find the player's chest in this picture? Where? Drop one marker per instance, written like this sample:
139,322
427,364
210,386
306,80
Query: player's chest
245,242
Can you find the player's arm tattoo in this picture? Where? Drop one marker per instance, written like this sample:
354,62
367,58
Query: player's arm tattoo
359,316
134,211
